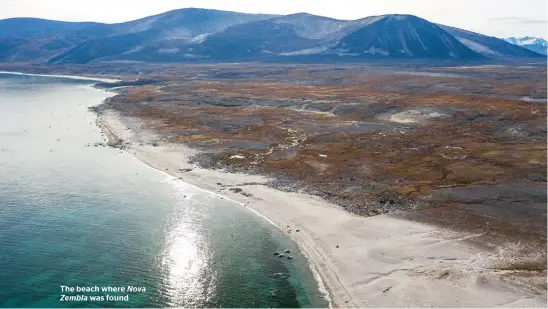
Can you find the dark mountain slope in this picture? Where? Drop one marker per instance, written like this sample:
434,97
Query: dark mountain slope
8,47
32,39
36,27
490,47
249,41
314,27
266,37
283,35
176,24
104,47
403,36
171,30
189,23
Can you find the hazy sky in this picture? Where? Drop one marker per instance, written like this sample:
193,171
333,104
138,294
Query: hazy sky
500,18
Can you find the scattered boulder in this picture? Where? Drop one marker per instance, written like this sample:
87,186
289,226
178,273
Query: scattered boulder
387,202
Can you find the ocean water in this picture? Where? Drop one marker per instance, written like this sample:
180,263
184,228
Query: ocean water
78,216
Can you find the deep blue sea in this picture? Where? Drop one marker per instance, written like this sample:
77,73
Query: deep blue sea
72,215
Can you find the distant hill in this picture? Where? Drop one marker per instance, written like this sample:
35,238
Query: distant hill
36,27
537,45
489,46
35,39
210,35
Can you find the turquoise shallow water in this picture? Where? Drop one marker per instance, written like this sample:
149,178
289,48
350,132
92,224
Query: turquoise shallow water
84,216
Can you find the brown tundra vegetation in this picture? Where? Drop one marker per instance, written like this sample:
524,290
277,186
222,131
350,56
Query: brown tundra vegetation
459,146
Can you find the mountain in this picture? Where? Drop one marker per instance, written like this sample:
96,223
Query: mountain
400,36
537,45
403,36
103,47
489,46
87,42
29,39
272,37
36,27
192,34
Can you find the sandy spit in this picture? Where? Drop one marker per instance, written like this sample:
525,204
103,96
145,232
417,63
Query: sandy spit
376,261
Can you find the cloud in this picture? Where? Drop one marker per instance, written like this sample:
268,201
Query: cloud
519,20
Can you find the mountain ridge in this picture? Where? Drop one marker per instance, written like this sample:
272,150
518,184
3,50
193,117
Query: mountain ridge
538,45
194,34
404,35
33,27
489,46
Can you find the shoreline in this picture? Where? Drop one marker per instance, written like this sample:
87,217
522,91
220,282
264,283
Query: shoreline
382,261
357,260
107,127
323,289
77,77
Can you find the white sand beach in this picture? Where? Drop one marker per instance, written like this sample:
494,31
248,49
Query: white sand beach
378,261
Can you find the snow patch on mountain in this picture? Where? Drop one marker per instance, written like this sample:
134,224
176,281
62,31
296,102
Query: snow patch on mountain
535,44
527,40
479,48
308,51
